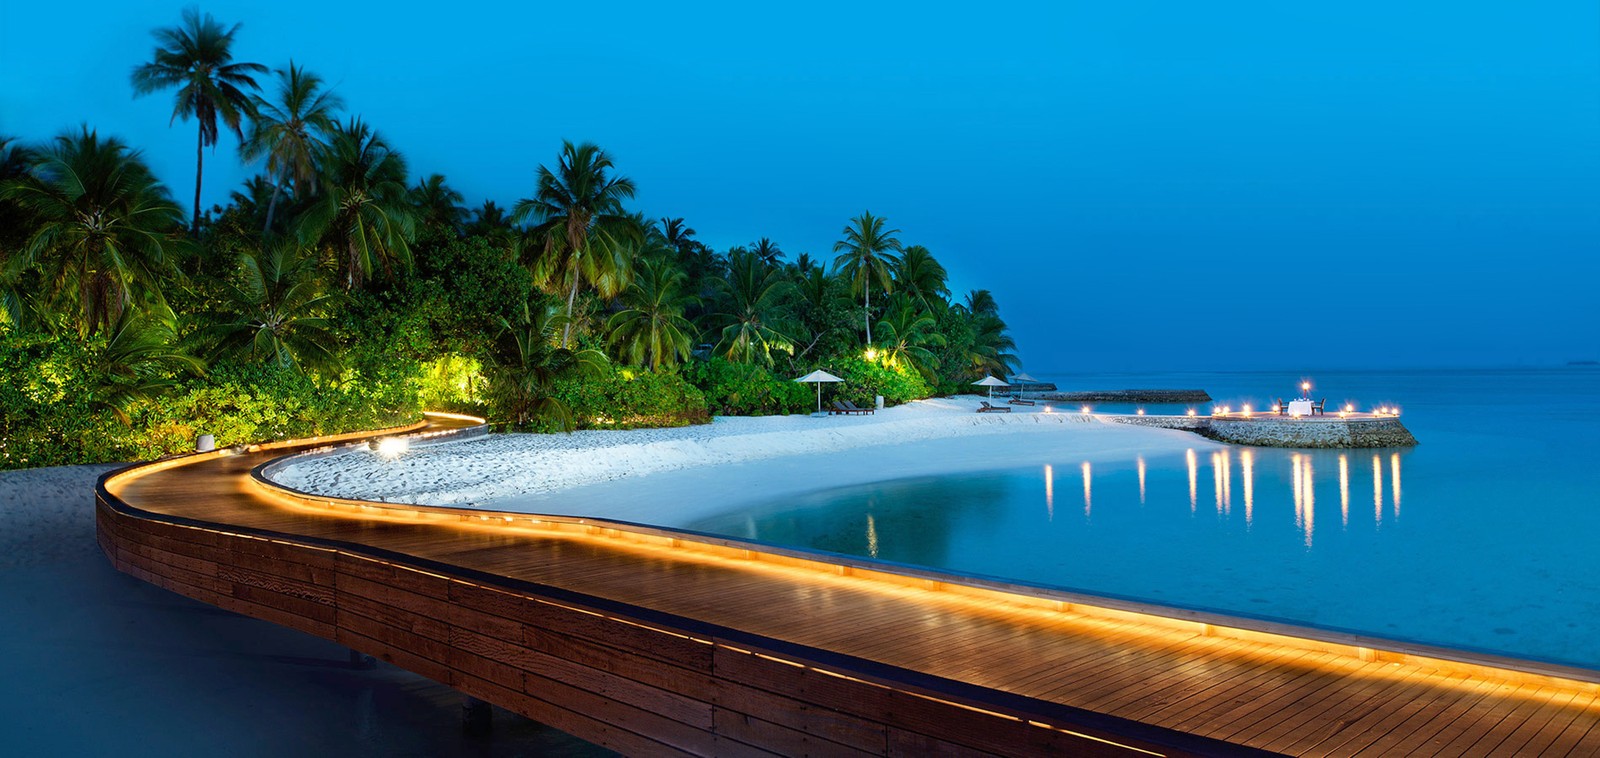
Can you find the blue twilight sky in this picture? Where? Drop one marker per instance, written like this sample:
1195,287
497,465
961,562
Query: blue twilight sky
1143,185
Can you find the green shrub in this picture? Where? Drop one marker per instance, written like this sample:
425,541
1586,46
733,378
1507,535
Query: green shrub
242,403
50,415
742,389
863,379
453,382
625,398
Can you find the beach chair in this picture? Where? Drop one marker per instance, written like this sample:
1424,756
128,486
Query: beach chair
1020,401
853,408
985,407
846,408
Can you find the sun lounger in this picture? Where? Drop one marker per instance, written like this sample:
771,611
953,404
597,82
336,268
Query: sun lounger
847,408
853,408
1020,401
985,407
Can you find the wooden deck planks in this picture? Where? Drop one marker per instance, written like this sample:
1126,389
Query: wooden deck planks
637,687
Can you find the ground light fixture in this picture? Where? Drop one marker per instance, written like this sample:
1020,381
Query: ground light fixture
391,447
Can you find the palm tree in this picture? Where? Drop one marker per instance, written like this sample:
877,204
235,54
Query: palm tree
15,226
905,333
753,296
572,205
197,58
102,226
821,311
525,365
699,261
364,212
678,235
138,361
991,349
921,277
438,204
292,132
488,219
652,329
866,258
767,251
491,222
279,312
804,263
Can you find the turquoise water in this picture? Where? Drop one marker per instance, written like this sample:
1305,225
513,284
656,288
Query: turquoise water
1483,537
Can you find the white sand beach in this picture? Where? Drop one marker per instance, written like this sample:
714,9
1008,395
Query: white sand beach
672,477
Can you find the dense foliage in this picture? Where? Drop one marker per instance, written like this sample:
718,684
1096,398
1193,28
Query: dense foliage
337,290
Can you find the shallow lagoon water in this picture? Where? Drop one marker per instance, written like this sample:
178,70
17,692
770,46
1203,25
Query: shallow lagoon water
1483,537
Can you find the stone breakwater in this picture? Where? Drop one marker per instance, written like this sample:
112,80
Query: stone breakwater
1130,396
1315,432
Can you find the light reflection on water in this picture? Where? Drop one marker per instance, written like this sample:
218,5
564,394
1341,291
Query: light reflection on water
1487,545
1273,557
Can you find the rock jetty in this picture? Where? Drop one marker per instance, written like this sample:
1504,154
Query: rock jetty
1130,396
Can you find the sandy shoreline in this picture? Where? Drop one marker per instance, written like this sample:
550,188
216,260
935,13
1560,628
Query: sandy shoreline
672,477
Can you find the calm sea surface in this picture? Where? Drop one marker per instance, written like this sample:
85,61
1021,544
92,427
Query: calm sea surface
1486,536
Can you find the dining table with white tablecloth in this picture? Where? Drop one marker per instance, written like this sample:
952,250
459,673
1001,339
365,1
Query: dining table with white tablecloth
1301,407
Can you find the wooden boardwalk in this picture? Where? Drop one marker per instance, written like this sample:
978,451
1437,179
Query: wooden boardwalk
655,642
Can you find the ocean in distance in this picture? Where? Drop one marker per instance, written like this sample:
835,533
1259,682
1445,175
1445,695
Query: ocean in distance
1483,537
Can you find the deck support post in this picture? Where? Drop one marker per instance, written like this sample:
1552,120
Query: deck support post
477,716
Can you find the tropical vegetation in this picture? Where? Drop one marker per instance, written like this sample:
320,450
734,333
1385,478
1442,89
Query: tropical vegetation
339,289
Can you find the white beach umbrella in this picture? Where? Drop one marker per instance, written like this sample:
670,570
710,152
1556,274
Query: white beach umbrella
818,377
1023,377
991,383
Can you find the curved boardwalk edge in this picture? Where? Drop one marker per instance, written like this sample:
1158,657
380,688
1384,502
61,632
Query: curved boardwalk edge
628,678
632,678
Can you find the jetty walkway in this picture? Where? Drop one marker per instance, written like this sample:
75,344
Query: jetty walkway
656,642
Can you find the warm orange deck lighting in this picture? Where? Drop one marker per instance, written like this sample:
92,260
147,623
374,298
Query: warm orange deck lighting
1351,655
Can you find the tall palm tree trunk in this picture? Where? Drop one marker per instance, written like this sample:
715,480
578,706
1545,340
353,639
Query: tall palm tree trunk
572,297
199,164
866,316
272,207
